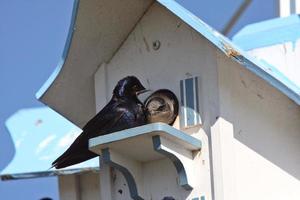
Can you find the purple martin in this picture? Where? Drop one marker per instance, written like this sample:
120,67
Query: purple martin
168,198
161,106
123,111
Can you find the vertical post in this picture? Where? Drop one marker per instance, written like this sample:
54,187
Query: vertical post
105,181
222,139
236,16
69,187
284,8
297,6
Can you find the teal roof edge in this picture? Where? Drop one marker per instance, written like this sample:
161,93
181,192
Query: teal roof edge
60,64
261,69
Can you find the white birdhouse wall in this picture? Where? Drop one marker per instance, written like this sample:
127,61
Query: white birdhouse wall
162,51
265,137
284,56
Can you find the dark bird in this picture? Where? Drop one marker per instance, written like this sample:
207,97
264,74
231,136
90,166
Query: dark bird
161,106
123,111
168,198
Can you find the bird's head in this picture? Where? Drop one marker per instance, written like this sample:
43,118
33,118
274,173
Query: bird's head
129,86
162,106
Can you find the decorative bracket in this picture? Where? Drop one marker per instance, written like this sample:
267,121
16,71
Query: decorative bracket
181,158
150,142
129,169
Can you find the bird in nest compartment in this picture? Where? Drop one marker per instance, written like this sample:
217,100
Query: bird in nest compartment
162,106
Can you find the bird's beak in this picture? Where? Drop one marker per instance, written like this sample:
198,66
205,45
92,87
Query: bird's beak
142,91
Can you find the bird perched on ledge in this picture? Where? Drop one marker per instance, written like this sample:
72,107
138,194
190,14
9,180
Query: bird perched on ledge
123,111
161,106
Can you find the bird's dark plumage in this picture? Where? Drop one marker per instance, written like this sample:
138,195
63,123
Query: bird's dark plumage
162,106
168,198
123,111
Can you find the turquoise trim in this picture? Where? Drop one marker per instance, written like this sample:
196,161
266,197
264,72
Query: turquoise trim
182,110
190,109
58,68
199,121
133,132
268,33
270,74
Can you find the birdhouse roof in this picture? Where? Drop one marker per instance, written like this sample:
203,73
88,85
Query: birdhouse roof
95,34
268,33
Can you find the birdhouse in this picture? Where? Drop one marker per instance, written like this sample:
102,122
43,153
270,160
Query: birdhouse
237,133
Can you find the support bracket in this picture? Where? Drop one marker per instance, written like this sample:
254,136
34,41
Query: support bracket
127,150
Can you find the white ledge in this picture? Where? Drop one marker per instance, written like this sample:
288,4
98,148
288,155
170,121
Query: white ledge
126,150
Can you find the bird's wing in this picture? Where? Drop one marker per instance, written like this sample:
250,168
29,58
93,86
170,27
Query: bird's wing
105,120
100,124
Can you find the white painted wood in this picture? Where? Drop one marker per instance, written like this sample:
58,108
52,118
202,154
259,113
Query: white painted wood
105,188
297,6
223,160
190,160
89,186
285,57
288,7
261,148
101,93
83,186
141,139
266,134
186,158
262,144
183,52
133,166
161,179
69,187
94,41
284,8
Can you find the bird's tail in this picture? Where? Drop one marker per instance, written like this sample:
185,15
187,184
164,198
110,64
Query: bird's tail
50,168
67,159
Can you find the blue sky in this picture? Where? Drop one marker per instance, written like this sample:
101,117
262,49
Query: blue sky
32,37
217,12
40,135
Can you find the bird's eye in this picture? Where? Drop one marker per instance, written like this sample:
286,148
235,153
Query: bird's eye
161,107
